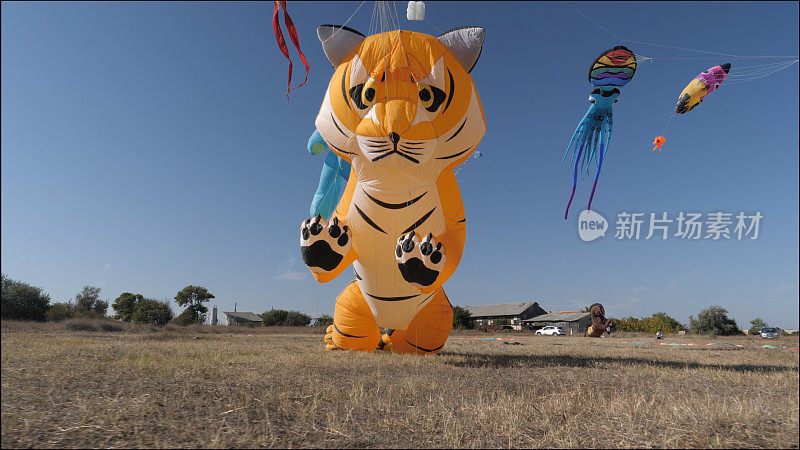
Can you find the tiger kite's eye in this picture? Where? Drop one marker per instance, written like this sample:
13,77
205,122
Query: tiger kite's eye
431,97
363,95
425,95
370,88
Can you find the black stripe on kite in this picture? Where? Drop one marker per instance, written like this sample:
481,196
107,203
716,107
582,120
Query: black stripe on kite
420,221
337,126
344,88
457,131
457,154
425,349
345,334
452,89
368,220
426,299
395,205
392,299
340,150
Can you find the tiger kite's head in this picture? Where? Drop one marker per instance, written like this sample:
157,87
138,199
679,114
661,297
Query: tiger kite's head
400,99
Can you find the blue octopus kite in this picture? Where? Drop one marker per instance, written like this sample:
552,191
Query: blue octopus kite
611,70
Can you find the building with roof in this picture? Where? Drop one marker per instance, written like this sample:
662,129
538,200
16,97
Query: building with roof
503,314
237,319
575,321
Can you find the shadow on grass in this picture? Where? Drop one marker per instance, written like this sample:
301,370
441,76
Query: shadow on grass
534,361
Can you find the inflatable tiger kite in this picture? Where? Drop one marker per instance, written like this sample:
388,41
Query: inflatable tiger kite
402,109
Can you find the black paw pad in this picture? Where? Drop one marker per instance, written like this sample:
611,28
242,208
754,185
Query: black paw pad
320,254
414,271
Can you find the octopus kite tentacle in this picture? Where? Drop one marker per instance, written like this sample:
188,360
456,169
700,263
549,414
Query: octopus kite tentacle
590,141
611,70
605,138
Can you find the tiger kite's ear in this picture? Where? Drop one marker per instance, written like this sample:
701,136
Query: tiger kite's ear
338,41
465,43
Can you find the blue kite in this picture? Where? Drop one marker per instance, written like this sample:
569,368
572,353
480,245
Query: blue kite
611,70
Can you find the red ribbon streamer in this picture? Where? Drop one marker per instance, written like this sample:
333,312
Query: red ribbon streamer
292,30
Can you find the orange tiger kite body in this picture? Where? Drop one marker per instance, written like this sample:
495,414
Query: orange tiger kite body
402,108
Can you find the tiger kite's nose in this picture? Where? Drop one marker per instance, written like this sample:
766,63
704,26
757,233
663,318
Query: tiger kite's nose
394,137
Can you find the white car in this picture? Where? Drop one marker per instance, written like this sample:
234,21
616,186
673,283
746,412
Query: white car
551,331
770,333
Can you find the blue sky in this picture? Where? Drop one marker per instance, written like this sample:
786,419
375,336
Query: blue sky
150,146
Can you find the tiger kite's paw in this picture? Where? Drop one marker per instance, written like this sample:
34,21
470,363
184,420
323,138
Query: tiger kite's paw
385,343
420,262
329,345
323,245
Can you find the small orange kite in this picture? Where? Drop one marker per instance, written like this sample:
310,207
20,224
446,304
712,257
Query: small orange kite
659,142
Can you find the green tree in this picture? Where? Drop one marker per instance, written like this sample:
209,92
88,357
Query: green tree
323,320
274,317
21,301
88,303
100,308
193,298
60,311
461,318
297,319
714,320
659,321
185,318
152,311
756,325
125,305
669,321
280,317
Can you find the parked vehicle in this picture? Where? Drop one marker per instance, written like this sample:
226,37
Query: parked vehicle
770,333
551,331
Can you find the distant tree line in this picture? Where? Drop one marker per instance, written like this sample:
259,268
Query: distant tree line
658,322
712,320
461,318
280,317
136,308
22,301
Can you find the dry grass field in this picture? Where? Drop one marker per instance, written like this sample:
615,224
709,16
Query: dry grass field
139,386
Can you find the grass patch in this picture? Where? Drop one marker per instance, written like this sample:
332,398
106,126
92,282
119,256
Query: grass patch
85,324
194,387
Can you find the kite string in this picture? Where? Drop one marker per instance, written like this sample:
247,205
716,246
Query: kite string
672,116
345,22
594,22
757,68
667,46
746,79
538,232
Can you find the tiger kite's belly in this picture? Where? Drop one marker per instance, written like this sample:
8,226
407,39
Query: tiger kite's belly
377,219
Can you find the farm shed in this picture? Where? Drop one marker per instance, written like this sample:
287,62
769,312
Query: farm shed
512,314
578,322
237,319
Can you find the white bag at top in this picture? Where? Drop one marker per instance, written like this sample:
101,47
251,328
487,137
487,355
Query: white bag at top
416,11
